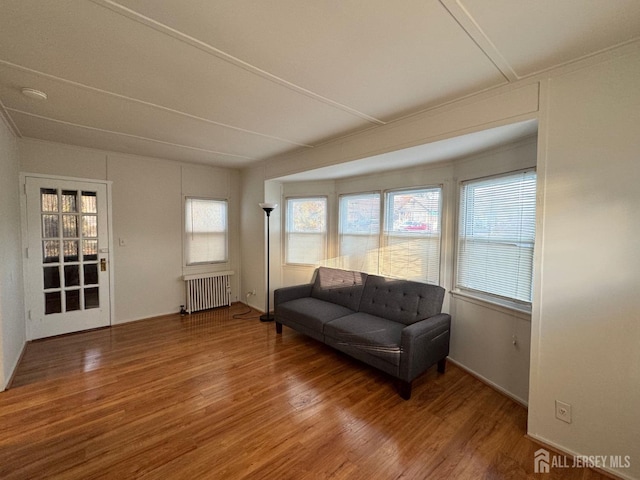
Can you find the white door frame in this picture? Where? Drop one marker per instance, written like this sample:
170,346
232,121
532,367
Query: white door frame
25,239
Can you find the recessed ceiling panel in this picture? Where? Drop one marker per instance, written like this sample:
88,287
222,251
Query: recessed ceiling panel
383,58
98,110
536,35
87,43
43,129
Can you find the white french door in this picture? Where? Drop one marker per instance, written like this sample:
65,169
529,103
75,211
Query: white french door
67,270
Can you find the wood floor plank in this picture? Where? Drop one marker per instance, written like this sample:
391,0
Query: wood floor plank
209,396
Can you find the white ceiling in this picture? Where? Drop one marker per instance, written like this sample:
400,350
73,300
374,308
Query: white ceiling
231,82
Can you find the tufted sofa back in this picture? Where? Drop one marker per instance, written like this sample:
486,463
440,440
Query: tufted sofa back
342,287
402,301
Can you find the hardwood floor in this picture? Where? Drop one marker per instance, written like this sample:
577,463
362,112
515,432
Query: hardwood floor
209,396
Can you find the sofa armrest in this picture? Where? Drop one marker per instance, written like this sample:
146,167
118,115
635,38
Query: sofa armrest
286,294
423,344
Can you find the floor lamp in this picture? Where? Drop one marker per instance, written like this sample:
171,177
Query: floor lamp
268,208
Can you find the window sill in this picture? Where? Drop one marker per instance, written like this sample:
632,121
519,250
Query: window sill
495,304
206,270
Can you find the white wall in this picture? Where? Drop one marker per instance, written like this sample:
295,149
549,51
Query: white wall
147,196
252,226
586,327
12,331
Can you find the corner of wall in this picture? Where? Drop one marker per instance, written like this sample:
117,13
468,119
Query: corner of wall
12,327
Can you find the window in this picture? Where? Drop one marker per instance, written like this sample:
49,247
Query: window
411,238
306,230
205,231
359,231
496,236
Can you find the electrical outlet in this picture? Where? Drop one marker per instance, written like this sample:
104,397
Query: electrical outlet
253,292
563,411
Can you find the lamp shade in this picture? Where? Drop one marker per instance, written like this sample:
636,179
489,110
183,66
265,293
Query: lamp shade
268,206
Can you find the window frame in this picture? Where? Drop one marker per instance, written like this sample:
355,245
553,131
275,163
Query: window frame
378,235
286,219
384,231
499,301
200,265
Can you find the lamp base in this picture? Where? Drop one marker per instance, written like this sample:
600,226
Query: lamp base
267,317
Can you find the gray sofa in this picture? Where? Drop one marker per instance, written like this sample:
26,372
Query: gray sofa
393,325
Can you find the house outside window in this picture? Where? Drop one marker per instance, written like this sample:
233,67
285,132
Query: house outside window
410,244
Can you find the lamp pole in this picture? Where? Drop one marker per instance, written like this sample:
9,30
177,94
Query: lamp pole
268,208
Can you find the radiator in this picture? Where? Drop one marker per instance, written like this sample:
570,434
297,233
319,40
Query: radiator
207,290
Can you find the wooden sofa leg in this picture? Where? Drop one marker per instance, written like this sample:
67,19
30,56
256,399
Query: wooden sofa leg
405,390
278,327
442,365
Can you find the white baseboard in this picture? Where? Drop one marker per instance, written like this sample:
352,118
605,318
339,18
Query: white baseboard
493,385
13,369
617,474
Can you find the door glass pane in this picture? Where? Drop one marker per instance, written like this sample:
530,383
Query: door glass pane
90,249
71,250
51,251
52,303
69,226
49,199
71,275
91,274
73,300
50,226
91,299
51,277
89,226
69,201
89,204
69,229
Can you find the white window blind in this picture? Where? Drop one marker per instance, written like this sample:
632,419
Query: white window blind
496,236
306,230
411,237
205,231
359,231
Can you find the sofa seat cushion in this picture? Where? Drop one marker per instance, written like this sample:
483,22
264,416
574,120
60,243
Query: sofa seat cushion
370,335
310,312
